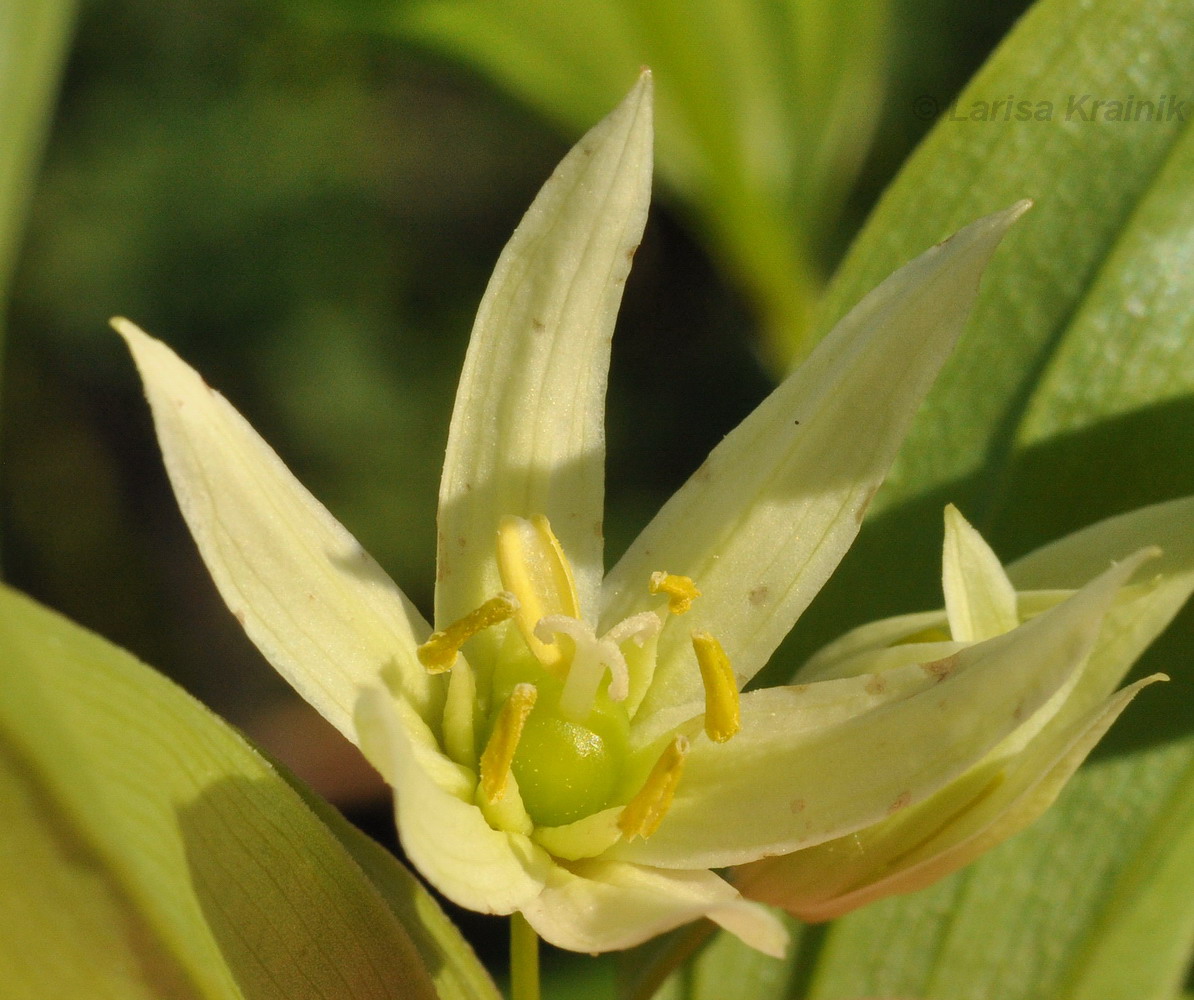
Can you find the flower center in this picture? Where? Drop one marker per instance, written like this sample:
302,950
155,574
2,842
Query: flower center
559,728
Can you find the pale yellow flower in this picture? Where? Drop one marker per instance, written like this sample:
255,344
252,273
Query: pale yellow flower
572,744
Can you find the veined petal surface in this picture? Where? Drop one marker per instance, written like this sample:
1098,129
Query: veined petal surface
772,791
445,836
765,520
317,606
602,906
947,831
527,434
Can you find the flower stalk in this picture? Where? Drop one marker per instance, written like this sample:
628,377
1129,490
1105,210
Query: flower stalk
524,959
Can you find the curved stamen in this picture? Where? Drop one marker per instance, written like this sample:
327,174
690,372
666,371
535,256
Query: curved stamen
533,566
722,719
503,741
646,810
439,652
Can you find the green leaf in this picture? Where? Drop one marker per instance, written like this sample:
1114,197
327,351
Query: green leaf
764,115
1070,398
723,968
149,851
453,966
33,37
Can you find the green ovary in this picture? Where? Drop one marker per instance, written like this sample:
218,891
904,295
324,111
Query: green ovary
566,770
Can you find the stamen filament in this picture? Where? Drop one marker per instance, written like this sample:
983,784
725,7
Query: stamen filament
680,590
646,810
503,741
439,652
722,717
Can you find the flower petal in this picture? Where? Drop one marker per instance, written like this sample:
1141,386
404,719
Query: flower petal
947,831
771,791
873,637
527,434
445,836
1143,611
766,519
598,906
979,598
312,600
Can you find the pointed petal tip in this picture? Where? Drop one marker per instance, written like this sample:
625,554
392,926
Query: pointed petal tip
127,329
991,228
642,96
639,103
1131,563
1019,208
755,925
138,341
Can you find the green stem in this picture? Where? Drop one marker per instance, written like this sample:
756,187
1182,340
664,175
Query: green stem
524,960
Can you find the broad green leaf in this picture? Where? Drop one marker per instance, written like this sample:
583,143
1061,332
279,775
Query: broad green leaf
764,111
454,968
149,851
1069,399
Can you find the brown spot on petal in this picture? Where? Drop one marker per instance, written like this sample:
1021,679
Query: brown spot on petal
462,541
759,595
798,688
1018,712
797,805
239,616
537,324
939,670
631,252
901,802
877,684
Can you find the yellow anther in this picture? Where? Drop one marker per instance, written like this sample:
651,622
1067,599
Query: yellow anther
646,810
503,741
722,719
680,590
534,568
438,653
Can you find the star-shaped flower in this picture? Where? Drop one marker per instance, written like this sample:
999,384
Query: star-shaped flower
572,744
